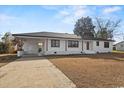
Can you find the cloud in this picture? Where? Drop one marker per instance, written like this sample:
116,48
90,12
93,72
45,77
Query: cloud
68,20
7,19
4,17
111,9
71,13
64,13
10,22
80,11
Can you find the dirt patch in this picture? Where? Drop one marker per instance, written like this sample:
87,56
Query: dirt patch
100,70
7,58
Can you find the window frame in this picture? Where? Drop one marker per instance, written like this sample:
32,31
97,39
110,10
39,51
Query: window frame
73,44
55,43
106,46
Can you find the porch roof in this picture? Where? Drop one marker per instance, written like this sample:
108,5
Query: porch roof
49,34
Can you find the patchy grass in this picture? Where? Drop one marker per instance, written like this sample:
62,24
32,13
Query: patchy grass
7,58
100,70
115,51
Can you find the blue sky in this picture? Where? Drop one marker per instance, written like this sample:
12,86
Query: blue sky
61,18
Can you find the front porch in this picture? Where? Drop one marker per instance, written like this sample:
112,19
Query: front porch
31,46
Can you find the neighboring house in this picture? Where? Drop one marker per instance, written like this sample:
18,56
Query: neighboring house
51,43
119,46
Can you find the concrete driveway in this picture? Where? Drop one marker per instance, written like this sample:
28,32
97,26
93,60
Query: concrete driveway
33,72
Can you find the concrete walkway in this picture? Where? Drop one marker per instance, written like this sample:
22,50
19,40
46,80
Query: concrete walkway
33,72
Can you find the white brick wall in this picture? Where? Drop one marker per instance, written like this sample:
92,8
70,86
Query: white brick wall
62,50
31,47
101,48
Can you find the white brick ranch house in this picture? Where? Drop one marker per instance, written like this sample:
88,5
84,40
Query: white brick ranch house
52,43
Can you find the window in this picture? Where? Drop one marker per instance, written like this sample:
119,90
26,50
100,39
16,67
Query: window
122,45
73,43
97,43
106,44
55,43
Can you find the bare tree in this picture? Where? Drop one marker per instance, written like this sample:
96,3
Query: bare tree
106,28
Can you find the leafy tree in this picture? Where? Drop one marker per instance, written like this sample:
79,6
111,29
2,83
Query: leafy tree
84,28
9,48
2,48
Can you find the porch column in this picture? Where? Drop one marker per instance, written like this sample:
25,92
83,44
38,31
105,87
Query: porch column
46,44
91,45
82,45
65,45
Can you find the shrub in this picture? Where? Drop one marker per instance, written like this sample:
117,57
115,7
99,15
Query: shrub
3,48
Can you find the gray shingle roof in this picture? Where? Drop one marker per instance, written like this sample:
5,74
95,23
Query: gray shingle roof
56,35
49,34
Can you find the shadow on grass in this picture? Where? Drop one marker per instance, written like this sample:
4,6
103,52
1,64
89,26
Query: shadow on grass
5,59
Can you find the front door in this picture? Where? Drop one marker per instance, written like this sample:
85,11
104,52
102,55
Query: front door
87,45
